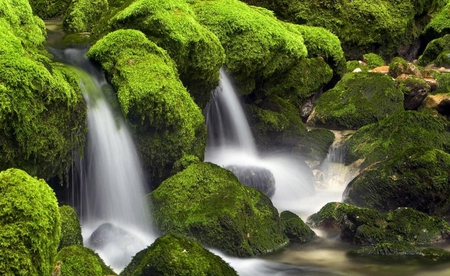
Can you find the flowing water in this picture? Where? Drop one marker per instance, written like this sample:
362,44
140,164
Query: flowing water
112,205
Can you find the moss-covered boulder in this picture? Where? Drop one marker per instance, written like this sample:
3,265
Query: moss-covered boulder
257,46
418,178
70,227
82,15
377,26
176,255
373,60
357,100
316,144
167,123
295,229
172,25
439,24
30,224
48,9
42,113
76,260
366,226
433,49
388,138
399,66
415,90
207,203
400,251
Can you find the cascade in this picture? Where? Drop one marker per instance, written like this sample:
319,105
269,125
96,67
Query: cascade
230,144
112,207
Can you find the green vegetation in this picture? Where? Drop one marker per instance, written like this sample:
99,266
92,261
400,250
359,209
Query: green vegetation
316,144
30,224
376,26
42,113
207,203
70,227
167,123
357,100
373,60
176,255
79,260
49,9
83,14
405,180
401,252
434,49
257,46
410,129
294,227
368,227
172,25
439,24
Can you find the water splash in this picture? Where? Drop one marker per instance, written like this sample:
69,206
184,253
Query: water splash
230,142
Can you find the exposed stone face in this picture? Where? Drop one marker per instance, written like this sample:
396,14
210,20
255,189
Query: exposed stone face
256,177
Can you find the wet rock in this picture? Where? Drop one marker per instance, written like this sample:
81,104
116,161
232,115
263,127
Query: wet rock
256,177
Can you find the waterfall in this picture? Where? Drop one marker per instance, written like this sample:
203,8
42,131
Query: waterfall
230,143
112,207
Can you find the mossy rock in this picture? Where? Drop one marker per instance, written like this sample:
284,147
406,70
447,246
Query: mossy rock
76,260
42,113
415,90
30,224
83,14
433,49
49,9
322,43
368,227
176,255
257,45
439,24
166,122
316,144
418,178
398,251
276,124
377,26
207,203
399,66
388,138
357,100
172,25
70,227
373,60
295,229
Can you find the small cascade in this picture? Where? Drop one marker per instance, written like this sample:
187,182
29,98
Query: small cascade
230,144
112,205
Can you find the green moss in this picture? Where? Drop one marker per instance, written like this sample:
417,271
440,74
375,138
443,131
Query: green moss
79,260
209,204
402,251
47,9
176,255
399,66
439,24
410,129
166,121
257,46
405,180
373,60
367,226
376,26
357,100
172,25
276,123
434,49
30,224
353,64
324,44
316,144
70,227
295,229
83,14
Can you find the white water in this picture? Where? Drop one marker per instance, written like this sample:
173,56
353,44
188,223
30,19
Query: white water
113,186
230,142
